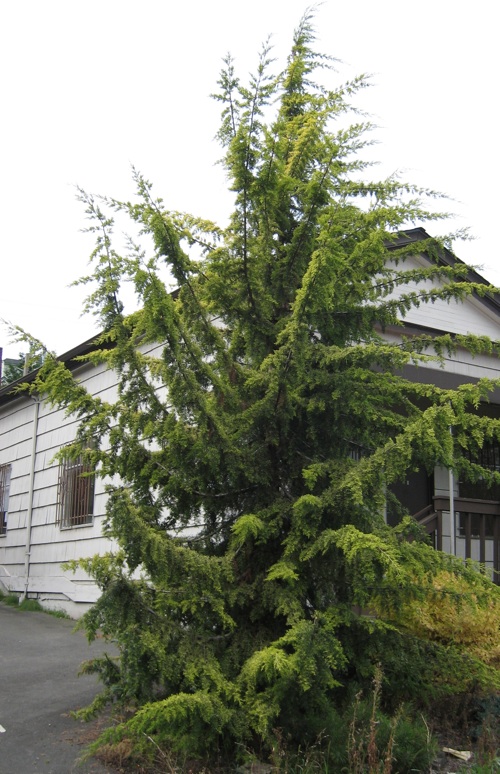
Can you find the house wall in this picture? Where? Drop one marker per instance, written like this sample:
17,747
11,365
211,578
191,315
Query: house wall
31,558
471,316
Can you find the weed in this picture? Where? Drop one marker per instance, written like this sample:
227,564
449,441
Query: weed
493,767
12,600
313,759
57,613
30,605
378,744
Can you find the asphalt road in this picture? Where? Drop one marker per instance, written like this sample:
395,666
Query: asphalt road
39,687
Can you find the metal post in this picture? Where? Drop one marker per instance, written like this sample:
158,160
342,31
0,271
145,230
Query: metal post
29,517
451,485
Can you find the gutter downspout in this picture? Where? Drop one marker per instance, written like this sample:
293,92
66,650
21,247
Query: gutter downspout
452,513
31,490
451,485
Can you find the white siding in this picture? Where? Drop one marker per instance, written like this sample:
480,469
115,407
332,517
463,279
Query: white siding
50,545
471,316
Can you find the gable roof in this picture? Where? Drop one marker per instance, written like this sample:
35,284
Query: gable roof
447,258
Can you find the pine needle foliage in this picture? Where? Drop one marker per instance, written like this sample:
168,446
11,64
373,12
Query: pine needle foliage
259,424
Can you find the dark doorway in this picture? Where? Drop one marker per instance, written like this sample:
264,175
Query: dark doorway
413,494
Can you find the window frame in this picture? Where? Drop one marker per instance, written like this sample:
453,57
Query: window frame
488,456
75,493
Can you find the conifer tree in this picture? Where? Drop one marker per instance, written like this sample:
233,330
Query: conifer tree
259,425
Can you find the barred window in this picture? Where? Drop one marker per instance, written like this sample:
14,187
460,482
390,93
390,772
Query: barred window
488,457
75,500
4,497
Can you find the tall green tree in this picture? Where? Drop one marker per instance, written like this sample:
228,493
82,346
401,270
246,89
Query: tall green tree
252,451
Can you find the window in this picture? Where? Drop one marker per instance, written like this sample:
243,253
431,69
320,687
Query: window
4,497
75,500
488,457
472,522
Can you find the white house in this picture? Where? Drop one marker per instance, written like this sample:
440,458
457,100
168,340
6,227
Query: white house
50,513
474,531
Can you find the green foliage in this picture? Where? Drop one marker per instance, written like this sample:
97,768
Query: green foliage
30,605
55,613
14,369
261,419
379,744
12,600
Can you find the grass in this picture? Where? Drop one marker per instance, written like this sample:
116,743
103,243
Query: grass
30,605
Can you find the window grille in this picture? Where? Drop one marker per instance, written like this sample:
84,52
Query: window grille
488,457
4,496
75,501
355,451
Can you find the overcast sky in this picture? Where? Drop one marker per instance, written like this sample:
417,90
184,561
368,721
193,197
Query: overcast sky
89,88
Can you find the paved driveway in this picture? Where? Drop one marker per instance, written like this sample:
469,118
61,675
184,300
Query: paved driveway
39,686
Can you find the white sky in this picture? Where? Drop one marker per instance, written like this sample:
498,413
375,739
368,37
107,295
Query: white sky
89,87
